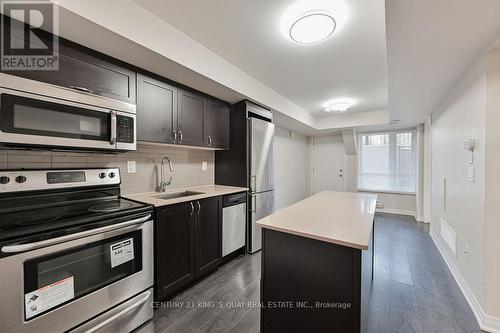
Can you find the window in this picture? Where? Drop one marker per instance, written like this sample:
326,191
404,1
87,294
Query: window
387,161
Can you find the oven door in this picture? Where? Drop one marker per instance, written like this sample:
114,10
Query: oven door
56,288
29,119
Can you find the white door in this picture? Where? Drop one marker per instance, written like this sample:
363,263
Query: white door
328,163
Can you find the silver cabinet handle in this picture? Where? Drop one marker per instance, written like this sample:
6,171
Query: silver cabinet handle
82,89
192,209
209,140
175,136
67,238
199,207
180,136
113,128
120,314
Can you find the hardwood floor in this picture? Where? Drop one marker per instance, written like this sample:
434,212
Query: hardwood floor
413,291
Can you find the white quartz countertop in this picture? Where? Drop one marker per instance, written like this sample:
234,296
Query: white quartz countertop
336,217
152,198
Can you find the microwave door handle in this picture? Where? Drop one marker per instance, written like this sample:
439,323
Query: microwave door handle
112,141
67,238
120,314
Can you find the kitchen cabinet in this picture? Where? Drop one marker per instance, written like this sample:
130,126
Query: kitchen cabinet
174,248
216,124
187,243
208,235
84,69
191,115
156,110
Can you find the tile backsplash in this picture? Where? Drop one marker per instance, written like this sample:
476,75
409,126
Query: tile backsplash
187,165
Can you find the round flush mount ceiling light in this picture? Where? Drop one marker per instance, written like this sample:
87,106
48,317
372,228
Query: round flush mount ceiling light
312,27
339,105
309,22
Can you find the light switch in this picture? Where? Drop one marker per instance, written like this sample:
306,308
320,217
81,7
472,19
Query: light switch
204,166
131,167
472,174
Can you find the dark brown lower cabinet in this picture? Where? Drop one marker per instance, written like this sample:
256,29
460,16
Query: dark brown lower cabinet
309,285
174,248
208,235
188,244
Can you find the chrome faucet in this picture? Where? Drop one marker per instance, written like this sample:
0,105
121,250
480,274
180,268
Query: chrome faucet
163,183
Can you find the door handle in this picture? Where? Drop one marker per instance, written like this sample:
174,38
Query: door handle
209,140
175,136
82,89
67,238
199,207
253,209
120,314
113,128
180,136
252,186
192,209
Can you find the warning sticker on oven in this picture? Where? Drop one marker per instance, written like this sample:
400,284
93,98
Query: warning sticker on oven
121,252
48,297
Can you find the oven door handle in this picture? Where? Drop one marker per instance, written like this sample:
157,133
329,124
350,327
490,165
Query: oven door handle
120,314
67,238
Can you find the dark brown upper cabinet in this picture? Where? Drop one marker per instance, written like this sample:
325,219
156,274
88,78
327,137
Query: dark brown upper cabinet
217,124
191,115
156,110
86,70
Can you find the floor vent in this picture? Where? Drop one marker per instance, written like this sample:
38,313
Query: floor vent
449,236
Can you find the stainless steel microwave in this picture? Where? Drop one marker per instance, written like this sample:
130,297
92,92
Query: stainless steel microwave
37,114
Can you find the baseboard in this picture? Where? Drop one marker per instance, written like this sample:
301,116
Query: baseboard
486,322
395,211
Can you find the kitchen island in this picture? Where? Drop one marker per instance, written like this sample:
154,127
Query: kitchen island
317,264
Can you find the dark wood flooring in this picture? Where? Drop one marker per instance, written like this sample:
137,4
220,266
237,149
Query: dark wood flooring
413,290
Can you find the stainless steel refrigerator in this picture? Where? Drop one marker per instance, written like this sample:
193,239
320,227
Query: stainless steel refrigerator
249,162
261,141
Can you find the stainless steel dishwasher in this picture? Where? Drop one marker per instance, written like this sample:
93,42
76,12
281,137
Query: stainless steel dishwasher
234,216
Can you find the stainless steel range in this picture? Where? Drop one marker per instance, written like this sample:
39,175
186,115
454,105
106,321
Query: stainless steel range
74,255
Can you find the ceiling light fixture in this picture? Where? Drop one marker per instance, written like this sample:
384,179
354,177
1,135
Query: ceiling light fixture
313,27
339,105
313,21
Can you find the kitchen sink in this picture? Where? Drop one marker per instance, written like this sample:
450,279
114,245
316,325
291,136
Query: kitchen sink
178,195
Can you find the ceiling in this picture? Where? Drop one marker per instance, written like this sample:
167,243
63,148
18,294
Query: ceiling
352,63
430,44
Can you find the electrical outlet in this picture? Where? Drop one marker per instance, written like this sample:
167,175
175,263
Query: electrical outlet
204,166
131,167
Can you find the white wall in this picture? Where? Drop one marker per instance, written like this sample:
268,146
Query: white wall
461,115
292,167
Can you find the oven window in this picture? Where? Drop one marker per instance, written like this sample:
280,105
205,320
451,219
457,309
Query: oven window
54,280
36,117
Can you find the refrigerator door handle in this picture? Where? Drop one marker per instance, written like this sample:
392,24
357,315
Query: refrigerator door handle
253,209
254,183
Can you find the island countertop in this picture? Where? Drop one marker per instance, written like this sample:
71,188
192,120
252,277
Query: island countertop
336,217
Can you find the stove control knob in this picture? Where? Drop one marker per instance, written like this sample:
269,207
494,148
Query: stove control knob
20,179
111,175
4,180
102,175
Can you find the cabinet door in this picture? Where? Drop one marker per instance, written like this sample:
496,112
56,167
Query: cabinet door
83,69
174,243
217,124
191,118
208,235
156,110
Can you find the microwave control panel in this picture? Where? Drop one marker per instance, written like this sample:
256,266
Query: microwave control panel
125,129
